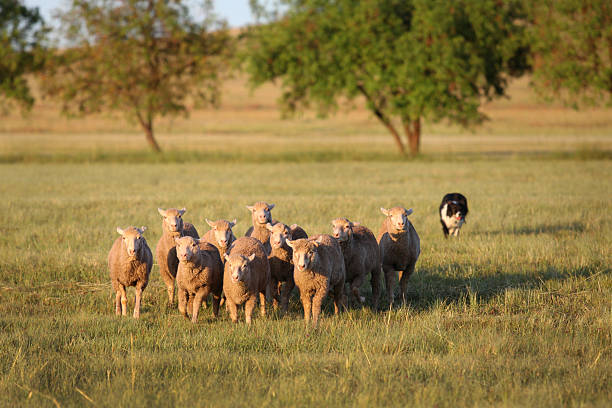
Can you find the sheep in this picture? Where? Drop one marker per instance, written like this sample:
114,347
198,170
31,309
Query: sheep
361,256
280,259
400,248
246,275
200,273
318,269
260,214
220,235
165,252
129,262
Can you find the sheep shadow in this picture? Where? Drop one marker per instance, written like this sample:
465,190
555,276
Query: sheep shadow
572,227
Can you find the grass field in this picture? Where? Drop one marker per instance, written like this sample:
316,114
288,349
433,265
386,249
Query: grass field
517,312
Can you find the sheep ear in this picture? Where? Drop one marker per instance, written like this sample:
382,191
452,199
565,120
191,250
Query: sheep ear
251,208
182,211
270,207
316,243
354,224
142,229
226,256
351,224
233,223
251,257
408,212
269,227
210,223
290,243
384,211
120,231
161,212
293,226
176,240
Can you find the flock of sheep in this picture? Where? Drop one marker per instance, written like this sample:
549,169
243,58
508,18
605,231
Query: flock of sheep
266,264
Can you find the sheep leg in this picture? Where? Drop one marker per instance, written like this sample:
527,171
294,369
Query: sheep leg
286,294
249,305
339,298
123,300
233,310
404,276
389,272
317,302
197,302
215,304
182,302
307,304
275,287
355,285
375,282
262,304
137,302
169,282
118,303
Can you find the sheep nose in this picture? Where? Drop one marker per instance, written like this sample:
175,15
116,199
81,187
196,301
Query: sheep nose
223,242
336,235
301,265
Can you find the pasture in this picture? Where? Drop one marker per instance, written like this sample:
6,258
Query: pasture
516,312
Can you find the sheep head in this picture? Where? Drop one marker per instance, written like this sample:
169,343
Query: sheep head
222,231
132,239
279,234
172,219
186,248
261,212
398,218
342,229
304,253
239,266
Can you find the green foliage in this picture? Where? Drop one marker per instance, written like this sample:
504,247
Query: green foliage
408,59
22,36
572,46
144,57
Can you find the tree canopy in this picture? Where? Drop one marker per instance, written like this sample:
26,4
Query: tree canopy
146,58
572,49
409,59
22,36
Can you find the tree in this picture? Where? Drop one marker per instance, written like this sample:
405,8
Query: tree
22,36
572,50
409,59
146,58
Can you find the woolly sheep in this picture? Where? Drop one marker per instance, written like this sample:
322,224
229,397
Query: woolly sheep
246,275
165,251
400,248
261,215
318,269
361,256
200,273
220,235
129,263
281,261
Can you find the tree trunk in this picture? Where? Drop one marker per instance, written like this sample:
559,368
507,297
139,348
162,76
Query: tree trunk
391,128
147,126
413,133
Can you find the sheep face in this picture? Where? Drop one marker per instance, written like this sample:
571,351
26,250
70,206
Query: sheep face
279,233
398,218
222,230
239,266
342,229
133,240
186,248
261,212
304,253
173,221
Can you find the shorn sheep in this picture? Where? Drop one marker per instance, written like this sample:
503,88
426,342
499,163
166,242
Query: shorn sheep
129,263
400,248
318,269
165,252
200,273
281,261
220,235
261,215
246,276
361,257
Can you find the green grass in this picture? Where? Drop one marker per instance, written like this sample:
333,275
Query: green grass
517,312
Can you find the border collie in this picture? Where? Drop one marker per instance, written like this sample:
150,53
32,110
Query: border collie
453,210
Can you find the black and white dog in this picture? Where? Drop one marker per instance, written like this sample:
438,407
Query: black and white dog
453,210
